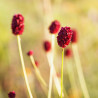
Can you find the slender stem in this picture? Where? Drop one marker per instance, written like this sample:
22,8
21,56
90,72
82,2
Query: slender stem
50,82
23,66
62,72
38,72
55,78
80,72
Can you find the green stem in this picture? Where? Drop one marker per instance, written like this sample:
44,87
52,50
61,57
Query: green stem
80,72
62,72
23,66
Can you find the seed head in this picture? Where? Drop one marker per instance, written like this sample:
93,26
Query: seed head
17,24
47,46
11,94
64,36
54,27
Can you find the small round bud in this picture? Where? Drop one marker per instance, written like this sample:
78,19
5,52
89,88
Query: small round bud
47,46
68,53
30,53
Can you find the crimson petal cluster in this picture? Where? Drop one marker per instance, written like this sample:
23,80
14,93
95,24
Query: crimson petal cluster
64,36
11,94
54,27
17,24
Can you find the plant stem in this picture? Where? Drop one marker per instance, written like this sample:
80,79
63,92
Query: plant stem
38,72
50,82
62,72
23,66
80,72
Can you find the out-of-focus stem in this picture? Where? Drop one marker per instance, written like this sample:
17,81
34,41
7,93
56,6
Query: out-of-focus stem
62,72
71,75
51,68
23,66
50,82
79,70
38,72
47,20
55,78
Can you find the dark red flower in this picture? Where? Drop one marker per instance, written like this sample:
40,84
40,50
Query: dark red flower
64,36
47,46
74,36
30,53
11,94
54,27
68,53
37,63
17,24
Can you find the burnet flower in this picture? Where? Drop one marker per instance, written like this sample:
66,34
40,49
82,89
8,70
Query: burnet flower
17,24
54,27
11,94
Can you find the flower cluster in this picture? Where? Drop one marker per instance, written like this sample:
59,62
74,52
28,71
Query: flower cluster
54,27
64,36
11,94
17,24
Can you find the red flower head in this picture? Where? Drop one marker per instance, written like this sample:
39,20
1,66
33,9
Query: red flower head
54,27
30,53
37,63
17,24
47,46
11,94
74,36
68,53
64,36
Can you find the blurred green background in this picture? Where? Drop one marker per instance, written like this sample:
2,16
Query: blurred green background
79,14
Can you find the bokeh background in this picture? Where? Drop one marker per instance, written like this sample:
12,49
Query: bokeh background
79,14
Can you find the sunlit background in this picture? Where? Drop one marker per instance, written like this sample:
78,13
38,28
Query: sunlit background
79,14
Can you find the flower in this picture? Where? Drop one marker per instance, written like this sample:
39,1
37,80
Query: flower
68,53
74,36
17,24
37,63
47,46
30,53
64,36
54,27
11,94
